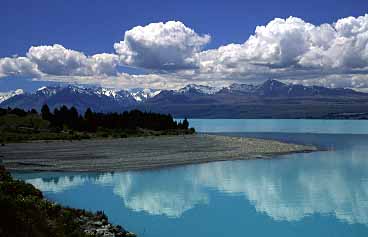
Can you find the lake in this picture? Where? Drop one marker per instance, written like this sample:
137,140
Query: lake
316,194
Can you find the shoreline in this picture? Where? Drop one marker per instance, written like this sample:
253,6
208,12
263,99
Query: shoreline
23,202
139,153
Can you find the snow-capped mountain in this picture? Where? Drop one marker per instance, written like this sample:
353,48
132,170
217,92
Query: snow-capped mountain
7,95
197,100
238,88
107,92
47,91
143,94
199,89
100,99
274,88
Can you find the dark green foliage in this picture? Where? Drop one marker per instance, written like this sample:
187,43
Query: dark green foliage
45,112
131,120
25,213
185,124
90,124
16,111
19,112
67,124
20,188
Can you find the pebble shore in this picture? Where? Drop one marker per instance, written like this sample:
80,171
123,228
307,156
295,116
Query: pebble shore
124,154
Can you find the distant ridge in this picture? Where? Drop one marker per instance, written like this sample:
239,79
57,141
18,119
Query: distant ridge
7,95
271,99
274,88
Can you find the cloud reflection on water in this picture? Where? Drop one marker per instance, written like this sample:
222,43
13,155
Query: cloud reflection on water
286,189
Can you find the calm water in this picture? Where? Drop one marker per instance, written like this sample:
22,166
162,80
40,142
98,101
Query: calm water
316,194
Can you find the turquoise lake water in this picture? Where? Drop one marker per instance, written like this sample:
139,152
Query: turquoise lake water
315,194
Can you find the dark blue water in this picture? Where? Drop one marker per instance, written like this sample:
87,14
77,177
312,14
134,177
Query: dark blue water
315,194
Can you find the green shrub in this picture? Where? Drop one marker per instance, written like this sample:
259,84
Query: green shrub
25,213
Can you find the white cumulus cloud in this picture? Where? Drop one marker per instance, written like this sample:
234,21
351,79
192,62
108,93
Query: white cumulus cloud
291,49
294,49
161,46
57,60
18,66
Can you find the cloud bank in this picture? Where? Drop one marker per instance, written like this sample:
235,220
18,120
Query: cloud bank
294,49
287,49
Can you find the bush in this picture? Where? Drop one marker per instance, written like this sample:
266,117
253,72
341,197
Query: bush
25,213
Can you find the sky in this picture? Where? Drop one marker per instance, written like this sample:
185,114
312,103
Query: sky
168,44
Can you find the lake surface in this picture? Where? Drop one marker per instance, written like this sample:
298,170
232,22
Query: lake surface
315,194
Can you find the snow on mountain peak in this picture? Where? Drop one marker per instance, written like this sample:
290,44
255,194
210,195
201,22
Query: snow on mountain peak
241,87
200,88
142,94
48,91
107,92
42,88
7,95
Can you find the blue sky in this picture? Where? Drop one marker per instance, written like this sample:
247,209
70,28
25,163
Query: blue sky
93,26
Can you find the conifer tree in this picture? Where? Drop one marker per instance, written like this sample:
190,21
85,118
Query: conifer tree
185,123
45,112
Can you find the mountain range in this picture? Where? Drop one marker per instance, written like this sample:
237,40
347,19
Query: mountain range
271,99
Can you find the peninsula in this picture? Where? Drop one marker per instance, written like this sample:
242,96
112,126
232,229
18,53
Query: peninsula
138,152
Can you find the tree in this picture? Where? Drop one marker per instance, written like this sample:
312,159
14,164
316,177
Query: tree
56,121
90,121
19,112
45,112
88,115
73,118
185,123
69,118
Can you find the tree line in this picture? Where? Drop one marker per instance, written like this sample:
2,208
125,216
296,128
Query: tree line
16,111
64,117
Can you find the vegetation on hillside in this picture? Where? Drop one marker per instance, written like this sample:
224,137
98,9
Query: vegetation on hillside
66,123
24,212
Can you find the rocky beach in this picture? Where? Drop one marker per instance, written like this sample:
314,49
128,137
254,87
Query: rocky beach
138,153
